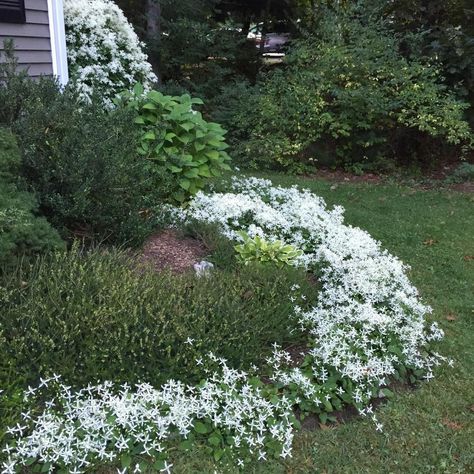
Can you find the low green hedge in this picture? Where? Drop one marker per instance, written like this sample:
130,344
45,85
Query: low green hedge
98,316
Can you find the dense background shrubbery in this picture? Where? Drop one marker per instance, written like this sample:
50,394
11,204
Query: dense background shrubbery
346,95
97,316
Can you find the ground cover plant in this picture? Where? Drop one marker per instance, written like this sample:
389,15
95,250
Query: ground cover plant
95,316
361,332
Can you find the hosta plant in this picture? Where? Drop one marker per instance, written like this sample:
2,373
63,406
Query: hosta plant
257,249
176,139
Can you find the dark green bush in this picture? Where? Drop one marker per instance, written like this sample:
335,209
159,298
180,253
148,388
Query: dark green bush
347,95
81,161
22,233
463,173
96,316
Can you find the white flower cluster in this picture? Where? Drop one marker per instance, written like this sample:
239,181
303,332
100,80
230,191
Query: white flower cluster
368,318
104,53
367,321
100,423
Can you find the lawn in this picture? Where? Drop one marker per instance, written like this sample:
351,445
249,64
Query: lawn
431,428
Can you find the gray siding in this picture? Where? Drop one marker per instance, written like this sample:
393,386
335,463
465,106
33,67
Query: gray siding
31,39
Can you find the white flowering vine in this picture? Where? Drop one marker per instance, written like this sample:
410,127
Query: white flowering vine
105,55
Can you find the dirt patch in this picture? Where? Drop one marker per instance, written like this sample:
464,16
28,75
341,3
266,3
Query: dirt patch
168,250
339,176
431,179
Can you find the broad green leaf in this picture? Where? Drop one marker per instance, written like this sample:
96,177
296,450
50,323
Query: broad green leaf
149,106
149,136
187,126
138,89
186,445
204,171
213,154
218,453
214,440
125,460
192,173
185,183
201,428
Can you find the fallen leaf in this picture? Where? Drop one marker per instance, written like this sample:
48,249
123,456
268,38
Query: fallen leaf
451,317
452,424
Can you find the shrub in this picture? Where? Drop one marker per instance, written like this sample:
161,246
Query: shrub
17,90
347,95
21,232
462,174
97,316
104,53
81,161
175,139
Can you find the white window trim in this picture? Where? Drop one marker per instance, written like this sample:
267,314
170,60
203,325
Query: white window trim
58,40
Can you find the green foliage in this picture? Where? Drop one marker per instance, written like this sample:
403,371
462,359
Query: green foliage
21,232
81,162
17,90
444,31
221,250
176,140
462,174
347,95
100,316
259,250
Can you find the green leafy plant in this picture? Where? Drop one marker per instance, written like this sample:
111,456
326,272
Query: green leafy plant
82,164
463,173
21,231
260,250
177,140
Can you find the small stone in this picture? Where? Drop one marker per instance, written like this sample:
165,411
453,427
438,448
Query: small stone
203,268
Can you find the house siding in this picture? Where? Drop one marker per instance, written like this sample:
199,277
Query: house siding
31,39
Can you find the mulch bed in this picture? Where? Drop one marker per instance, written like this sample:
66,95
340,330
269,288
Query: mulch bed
169,250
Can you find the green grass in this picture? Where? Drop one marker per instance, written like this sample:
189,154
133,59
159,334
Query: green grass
430,429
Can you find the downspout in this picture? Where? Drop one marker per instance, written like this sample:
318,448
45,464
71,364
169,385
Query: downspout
57,34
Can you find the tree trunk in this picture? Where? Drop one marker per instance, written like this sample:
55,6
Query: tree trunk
153,32
266,14
153,14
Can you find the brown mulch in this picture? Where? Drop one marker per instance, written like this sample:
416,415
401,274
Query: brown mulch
432,179
168,250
